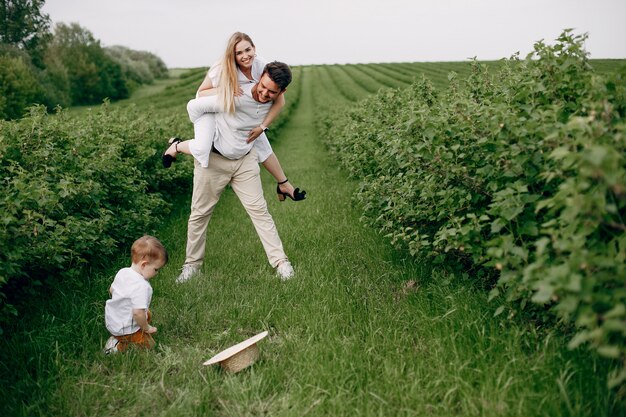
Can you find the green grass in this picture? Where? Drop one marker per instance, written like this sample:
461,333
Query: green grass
361,329
154,88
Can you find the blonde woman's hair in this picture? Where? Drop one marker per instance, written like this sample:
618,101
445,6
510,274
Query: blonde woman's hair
148,248
228,76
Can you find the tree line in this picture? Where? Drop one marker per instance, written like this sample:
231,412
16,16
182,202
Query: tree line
65,66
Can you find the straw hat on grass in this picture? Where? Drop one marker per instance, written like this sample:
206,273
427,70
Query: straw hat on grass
240,356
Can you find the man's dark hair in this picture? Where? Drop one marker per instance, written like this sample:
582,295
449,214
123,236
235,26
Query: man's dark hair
278,72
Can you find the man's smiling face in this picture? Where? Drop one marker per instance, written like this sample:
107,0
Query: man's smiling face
267,90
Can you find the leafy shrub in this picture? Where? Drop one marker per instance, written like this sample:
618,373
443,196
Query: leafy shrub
77,190
522,173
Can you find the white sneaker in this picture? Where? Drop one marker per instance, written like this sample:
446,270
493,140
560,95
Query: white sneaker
188,272
111,346
285,270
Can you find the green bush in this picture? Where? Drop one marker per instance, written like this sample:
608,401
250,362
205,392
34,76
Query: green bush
77,190
522,173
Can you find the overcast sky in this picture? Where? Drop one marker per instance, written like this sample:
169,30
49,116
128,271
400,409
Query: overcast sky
193,33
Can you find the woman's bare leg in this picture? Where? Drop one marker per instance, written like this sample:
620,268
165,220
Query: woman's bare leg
273,167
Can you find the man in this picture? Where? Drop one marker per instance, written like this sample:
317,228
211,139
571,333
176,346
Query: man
234,162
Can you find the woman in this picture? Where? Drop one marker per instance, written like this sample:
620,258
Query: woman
239,65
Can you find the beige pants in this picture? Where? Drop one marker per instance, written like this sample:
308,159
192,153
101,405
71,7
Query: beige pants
209,183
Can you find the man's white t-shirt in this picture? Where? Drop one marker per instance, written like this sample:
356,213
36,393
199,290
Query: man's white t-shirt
232,128
129,291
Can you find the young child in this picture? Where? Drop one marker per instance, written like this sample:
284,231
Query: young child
126,314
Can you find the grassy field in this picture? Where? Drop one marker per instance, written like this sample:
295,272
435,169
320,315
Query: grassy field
361,330
160,85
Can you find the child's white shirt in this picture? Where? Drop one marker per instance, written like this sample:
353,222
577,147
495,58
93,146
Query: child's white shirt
129,291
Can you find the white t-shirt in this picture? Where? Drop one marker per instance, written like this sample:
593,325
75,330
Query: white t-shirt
129,291
232,128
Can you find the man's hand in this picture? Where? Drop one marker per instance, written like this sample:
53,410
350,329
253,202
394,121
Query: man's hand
254,133
151,330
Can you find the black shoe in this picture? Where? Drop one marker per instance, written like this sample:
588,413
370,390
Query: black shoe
297,194
168,159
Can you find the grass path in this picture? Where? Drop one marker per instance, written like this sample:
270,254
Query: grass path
359,331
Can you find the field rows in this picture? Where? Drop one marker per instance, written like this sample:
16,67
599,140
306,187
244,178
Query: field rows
342,84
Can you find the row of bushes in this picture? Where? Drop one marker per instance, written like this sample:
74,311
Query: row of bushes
75,191
72,69
521,173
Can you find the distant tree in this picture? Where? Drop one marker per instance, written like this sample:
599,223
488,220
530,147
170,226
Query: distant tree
55,82
19,87
67,67
138,67
23,25
91,73
136,72
156,64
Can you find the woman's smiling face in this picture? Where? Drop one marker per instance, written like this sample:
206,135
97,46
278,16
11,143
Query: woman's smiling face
244,54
